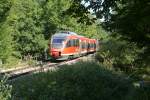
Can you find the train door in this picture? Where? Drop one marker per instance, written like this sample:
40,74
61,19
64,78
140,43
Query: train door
80,47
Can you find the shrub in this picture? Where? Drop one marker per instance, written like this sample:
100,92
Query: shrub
5,89
119,54
81,81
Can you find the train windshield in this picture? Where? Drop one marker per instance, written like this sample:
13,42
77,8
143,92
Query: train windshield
57,43
58,40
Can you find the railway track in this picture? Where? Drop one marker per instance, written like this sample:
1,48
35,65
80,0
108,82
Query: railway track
16,73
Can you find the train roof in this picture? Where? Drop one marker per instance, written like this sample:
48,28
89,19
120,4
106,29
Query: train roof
64,34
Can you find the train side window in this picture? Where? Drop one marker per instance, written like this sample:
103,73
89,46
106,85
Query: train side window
77,42
68,44
72,43
83,45
90,45
94,45
86,45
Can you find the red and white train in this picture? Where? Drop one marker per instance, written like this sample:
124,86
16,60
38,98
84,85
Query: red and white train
67,45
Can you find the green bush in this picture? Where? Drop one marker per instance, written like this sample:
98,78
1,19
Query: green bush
11,62
81,81
119,54
5,89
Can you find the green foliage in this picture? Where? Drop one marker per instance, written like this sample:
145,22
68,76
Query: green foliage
81,81
129,18
5,89
31,62
25,18
119,53
79,11
132,20
4,8
6,46
11,62
26,26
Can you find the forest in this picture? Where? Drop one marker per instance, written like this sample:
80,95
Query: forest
122,26
26,26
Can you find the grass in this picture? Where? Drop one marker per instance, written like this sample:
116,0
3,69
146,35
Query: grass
11,62
81,81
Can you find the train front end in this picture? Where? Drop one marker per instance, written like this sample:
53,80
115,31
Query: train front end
57,45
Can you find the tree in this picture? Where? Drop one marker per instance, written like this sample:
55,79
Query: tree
130,18
26,26
5,33
6,47
24,17
4,8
